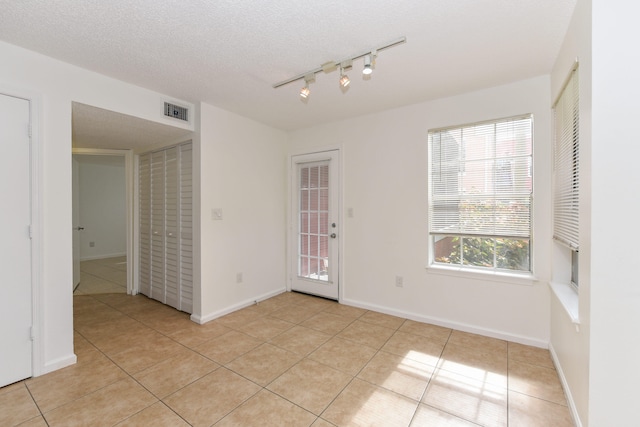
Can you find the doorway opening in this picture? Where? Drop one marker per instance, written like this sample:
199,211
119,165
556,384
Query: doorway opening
99,134
102,235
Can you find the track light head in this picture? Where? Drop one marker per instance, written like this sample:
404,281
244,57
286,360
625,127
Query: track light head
344,79
368,69
305,91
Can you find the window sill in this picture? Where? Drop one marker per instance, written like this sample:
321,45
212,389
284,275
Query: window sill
568,297
498,276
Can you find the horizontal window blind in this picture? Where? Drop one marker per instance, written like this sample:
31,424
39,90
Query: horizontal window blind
567,165
481,179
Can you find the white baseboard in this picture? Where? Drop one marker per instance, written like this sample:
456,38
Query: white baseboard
400,313
449,324
565,386
102,256
59,363
201,319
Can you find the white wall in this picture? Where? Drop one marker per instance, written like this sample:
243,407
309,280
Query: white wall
569,344
614,290
599,363
385,183
56,85
103,214
243,172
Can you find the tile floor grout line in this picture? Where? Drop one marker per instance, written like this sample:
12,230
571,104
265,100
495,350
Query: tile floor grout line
35,402
440,368
76,364
220,365
237,406
354,377
265,387
130,375
436,369
114,306
336,396
269,342
101,264
539,398
119,367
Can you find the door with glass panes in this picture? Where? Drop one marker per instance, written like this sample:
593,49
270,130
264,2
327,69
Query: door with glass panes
316,231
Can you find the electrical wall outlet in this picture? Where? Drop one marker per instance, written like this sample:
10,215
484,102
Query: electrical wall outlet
399,281
238,277
92,244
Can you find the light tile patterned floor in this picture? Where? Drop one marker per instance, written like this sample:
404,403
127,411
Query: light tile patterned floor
103,276
292,360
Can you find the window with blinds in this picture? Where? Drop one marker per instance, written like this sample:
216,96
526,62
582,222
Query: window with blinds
566,165
480,194
566,192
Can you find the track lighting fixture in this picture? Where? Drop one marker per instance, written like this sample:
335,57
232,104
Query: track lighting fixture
369,58
305,91
344,79
367,65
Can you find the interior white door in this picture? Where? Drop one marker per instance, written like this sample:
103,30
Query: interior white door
316,232
75,200
15,245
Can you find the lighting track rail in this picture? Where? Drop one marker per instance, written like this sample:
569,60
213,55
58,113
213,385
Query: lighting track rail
309,76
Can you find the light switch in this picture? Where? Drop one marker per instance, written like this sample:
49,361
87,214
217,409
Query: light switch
216,214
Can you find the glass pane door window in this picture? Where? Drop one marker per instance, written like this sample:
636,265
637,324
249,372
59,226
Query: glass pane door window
313,221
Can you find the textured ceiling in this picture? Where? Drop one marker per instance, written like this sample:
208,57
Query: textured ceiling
98,128
229,53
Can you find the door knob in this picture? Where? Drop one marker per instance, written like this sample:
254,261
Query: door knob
332,235
79,228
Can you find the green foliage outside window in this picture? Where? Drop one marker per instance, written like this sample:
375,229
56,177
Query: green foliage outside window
501,253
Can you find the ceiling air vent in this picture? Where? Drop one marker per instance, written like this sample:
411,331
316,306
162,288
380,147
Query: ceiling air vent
176,111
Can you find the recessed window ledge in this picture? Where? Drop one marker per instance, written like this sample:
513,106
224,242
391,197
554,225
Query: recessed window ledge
568,297
497,276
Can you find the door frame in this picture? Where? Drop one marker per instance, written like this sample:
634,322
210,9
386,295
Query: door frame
292,237
37,221
129,192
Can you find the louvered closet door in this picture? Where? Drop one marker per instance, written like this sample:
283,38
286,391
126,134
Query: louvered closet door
166,226
171,255
144,190
157,227
186,228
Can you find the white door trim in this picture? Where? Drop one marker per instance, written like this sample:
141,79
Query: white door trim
291,234
132,260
